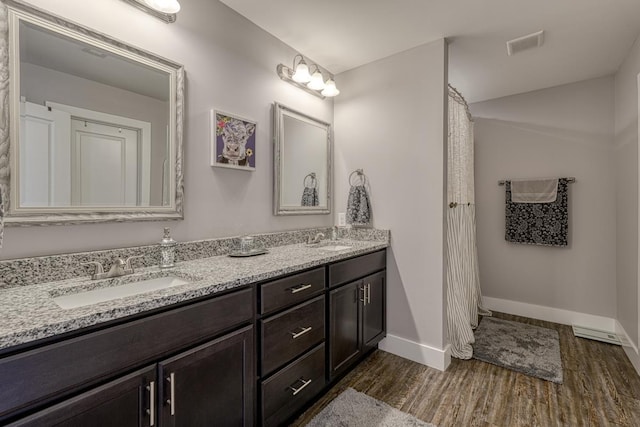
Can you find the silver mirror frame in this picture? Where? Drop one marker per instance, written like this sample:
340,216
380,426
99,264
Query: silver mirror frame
9,123
278,113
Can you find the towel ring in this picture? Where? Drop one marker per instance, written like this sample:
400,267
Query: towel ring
360,174
314,181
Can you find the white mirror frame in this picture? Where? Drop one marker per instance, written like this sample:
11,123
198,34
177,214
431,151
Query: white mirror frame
11,12
279,111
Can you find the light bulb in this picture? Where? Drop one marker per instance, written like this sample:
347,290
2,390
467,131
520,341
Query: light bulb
164,6
301,73
317,81
330,88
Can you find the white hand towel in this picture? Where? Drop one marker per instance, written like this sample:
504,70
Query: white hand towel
534,191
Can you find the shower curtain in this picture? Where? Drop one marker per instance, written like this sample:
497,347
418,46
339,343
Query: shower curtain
464,301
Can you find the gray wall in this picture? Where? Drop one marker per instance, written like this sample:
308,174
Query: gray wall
392,125
230,65
626,166
561,131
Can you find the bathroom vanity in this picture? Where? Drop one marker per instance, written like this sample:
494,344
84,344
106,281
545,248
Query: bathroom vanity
254,349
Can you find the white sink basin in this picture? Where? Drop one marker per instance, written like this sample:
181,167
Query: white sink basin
334,248
81,299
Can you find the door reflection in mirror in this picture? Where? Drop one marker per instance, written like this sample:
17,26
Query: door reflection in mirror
93,125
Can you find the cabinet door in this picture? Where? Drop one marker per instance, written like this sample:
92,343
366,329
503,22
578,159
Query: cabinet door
345,337
128,401
374,310
210,385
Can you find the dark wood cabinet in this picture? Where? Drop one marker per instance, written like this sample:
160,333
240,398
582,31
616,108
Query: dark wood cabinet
35,376
374,310
210,385
254,356
289,334
345,335
284,393
215,377
357,312
128,401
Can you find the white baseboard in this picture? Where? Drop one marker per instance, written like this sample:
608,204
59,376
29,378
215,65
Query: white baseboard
550,314
420,353
629,347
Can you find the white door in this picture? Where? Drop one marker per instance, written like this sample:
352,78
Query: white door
104,164
44,149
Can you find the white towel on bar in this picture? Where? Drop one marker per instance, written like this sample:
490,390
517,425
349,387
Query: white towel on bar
534,191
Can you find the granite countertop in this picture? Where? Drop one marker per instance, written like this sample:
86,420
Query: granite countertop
28,313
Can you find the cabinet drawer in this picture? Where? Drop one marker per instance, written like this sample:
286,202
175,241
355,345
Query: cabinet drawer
291,333
286,392
291,290
36,376
355,268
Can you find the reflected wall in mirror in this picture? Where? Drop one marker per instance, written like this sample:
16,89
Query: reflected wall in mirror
302,163
95,124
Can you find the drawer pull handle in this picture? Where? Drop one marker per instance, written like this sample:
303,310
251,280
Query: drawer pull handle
302,287
368,293
172,398
364,294
151,388
295,335
299,389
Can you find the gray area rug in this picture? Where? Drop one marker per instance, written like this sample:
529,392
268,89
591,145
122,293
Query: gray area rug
531,350
353,409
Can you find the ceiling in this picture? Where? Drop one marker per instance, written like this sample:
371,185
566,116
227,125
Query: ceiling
583,38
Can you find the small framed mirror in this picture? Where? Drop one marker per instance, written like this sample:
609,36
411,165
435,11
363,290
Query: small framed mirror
302,163
95,125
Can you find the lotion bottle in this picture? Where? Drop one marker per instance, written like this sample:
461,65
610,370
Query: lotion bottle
167,250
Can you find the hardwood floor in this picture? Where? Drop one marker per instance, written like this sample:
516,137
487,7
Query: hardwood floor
601,388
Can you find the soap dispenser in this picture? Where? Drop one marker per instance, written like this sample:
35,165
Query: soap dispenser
167,250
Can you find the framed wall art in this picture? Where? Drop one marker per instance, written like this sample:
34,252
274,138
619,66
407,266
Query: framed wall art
233,141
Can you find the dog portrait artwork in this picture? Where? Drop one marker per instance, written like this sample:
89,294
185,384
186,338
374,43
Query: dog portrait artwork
235,142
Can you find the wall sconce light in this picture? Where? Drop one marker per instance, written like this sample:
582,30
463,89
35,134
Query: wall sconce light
299,75
162,9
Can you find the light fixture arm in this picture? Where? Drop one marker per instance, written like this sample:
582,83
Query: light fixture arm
299,62
140,4
287,74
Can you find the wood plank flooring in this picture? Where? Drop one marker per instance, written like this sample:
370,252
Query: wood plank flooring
601,388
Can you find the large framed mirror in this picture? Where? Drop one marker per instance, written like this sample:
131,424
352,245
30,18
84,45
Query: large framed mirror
94,124
302,163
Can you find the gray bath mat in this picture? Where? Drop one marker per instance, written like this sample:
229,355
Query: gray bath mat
354,409
528,349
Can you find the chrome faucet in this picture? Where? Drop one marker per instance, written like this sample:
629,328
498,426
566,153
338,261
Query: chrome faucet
317,239
119,268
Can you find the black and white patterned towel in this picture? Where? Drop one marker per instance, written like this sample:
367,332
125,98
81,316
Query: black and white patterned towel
544,224
310,197
358,206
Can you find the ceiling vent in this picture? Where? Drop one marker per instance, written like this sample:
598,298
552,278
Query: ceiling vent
525,42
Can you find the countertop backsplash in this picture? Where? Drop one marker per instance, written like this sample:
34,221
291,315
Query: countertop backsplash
32,271
30,313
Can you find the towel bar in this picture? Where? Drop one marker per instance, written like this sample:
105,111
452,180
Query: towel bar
570,180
